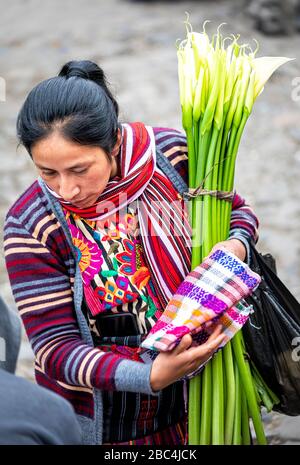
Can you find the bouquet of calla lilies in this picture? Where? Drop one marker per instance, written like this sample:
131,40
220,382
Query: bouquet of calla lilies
219,81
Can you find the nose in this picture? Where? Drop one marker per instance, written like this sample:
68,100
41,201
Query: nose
68,190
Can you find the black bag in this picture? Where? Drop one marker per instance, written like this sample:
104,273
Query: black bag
272,334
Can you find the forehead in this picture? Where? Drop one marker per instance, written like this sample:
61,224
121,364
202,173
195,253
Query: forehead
57,152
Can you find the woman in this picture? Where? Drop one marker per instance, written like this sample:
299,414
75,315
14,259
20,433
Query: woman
92,268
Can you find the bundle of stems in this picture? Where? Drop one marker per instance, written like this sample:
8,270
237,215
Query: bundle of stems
219,81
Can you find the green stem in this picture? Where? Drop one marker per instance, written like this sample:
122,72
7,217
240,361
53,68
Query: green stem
246,438
230,392
235,139
203,149
207,213
191,155
196,140
217,400
268,397
221,203
245,374
237,437
216,232
205,419
194,411
227,163
197,238
226,174
235,151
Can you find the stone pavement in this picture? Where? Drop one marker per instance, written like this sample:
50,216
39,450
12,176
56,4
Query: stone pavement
135,44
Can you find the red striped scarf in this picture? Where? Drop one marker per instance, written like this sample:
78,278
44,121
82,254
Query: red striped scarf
164,227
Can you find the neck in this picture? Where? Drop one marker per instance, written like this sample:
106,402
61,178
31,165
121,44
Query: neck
116,167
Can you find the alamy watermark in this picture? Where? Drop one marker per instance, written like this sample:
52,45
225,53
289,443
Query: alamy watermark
2,349
295,95
2,89
168,218
296,351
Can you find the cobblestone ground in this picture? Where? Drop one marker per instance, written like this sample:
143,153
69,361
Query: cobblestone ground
135,44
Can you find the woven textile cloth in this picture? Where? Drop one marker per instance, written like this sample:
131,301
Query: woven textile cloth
211,294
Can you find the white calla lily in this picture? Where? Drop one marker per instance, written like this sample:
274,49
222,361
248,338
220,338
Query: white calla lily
264,68
219,81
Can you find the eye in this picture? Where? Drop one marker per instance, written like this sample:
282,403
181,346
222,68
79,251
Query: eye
48,173
80,171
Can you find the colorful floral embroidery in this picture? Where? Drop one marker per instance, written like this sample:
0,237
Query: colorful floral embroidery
114,294
127,258
111,272
113,248
112,234
89,255
151,308
125,279
141,277
139,256
131,223
103,224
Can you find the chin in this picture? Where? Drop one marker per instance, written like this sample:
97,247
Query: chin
84,203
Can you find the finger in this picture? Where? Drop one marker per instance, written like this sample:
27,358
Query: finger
213,344
218,330
209,347
184,344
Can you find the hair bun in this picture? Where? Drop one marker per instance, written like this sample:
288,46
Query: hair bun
88,70
85,69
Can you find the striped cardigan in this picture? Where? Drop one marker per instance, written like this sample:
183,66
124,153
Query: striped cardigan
47,287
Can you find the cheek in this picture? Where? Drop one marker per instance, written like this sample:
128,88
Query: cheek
103,173
52,183
97,179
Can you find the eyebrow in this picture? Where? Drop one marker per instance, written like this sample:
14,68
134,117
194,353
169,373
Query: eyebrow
79,165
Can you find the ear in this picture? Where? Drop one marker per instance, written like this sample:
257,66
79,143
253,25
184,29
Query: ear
116,148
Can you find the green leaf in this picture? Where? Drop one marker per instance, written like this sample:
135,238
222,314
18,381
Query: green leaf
109,273
150,312
115,264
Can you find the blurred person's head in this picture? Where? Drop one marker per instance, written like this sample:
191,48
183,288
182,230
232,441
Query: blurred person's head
69,126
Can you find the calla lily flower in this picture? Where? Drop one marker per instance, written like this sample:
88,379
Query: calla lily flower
245,75
206,66
264,67
219,81
249,100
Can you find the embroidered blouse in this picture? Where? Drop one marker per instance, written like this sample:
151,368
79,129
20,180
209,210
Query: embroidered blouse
116,281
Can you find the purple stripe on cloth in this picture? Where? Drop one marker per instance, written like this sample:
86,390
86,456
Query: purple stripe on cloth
233,265
204,298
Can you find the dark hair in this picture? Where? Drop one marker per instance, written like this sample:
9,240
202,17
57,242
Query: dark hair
77,103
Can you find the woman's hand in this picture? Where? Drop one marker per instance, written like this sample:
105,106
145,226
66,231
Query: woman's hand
234,246
170,366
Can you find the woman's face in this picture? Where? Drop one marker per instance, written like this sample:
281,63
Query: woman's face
78,173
